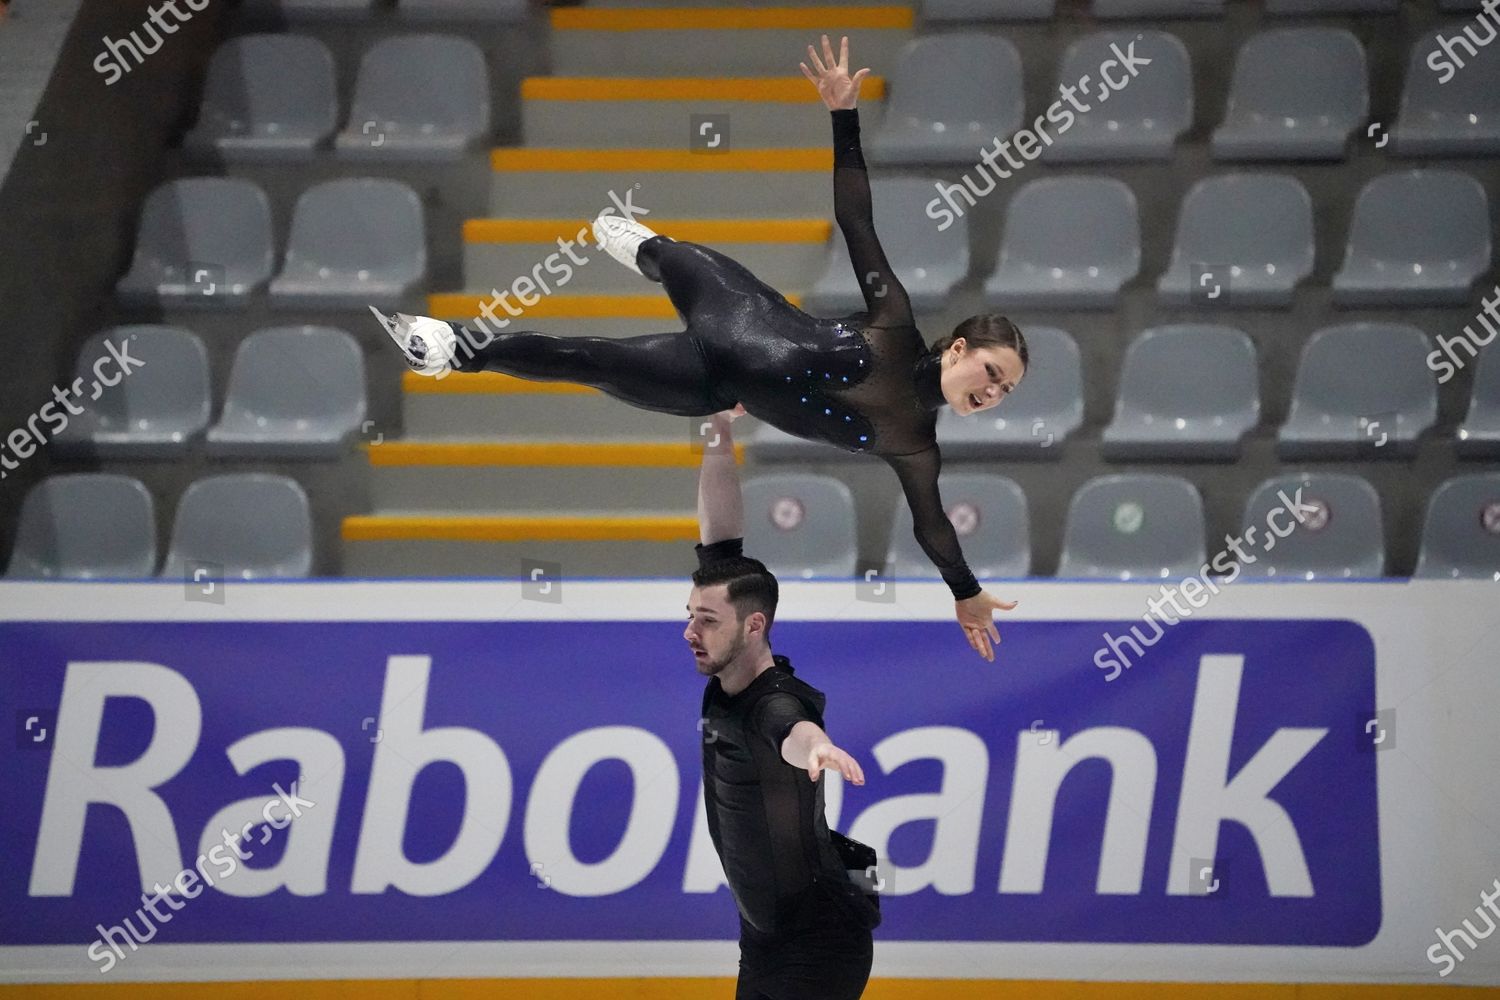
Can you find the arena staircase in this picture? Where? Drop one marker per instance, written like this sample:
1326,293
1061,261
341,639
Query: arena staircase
699,116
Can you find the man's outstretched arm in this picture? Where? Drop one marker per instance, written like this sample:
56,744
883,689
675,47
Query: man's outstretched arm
721,509
807,746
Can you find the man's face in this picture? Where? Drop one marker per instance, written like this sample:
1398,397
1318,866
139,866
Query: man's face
714,630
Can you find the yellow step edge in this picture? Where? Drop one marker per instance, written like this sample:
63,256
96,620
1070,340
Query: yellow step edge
520,159
620,454
829,18
693,230
486,384
764,89
695,989
388,528
462,307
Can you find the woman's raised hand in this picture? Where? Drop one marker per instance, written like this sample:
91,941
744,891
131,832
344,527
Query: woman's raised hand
837,88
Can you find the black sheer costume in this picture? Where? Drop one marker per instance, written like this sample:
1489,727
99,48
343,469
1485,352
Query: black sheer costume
865,383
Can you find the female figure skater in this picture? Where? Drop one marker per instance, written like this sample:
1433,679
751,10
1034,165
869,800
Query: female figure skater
867,382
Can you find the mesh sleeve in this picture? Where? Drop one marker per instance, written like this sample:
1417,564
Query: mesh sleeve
919,481
885,298
776,715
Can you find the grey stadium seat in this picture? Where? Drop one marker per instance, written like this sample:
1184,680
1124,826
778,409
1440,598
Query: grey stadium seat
988,513
295,392
419,97
1187,391
1133,527
928,261
354,242
1133,9
1461,536
157,411
203,241
1242,240
87,526
1143,120
1342,538
1453,111
1070,243
940,11
463,10
1362,390
1418,237
241,527
267,97
1479,434
1033,421
1298,94
929,120
800,525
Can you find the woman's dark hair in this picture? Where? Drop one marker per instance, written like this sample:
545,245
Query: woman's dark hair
987,330
752,587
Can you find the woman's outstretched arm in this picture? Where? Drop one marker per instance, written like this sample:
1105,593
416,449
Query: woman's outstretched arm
973,606
885,298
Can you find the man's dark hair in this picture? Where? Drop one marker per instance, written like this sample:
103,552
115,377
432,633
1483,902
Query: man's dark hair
752,587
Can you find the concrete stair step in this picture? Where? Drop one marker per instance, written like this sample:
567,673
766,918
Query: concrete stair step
568,547
494,407
783,253
700,40
536,478
708,113
504,309
679,183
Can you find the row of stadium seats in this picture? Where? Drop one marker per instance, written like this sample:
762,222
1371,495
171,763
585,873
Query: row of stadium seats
1134,527
207,241
931,10
938,11
1187,391
1297,94
1311,526
294,392
274,97
103,526
1416,238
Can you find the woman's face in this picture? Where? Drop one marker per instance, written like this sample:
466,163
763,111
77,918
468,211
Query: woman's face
977,378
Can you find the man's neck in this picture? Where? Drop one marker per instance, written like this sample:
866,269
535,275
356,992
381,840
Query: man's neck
739,675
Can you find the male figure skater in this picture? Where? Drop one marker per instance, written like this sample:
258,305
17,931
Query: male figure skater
804,924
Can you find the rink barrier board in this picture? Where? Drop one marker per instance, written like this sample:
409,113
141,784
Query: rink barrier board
698,989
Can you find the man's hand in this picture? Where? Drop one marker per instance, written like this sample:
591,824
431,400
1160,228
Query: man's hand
827,756
977,616
731,416
838,89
